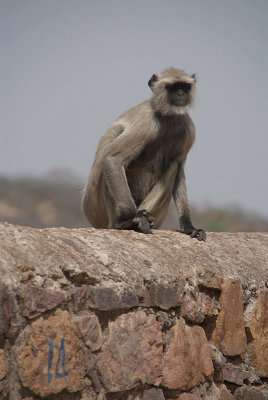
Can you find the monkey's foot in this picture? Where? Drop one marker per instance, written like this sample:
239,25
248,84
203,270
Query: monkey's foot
199,234
143,222
145,215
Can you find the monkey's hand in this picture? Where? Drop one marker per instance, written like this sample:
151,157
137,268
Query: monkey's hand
143,222
199,234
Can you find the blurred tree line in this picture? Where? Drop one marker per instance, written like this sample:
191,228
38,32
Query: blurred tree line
55,200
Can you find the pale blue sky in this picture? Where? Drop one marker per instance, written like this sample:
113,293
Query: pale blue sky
70,67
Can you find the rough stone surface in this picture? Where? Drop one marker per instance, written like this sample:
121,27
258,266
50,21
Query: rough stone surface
234,374
250,393
104,299
217,358
210,281
188,396
91,330
207,391
90,314
45,350
3,365
257,325
133,352
165,296
150,394
153,394
196,308
38,300
225,394
87,256
6,307
229,335
187,361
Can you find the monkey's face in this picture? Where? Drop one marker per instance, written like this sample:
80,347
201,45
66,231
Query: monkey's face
178,93
173,91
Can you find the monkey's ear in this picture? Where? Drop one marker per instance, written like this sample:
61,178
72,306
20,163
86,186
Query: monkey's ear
153,79
194,77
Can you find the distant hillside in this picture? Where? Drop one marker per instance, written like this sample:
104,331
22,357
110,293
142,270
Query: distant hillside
56,201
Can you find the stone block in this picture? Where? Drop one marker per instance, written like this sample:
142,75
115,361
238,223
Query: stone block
251,393
165,296
234,374
229,334
3,365
150,394
196,308
103,298
257,325
49,355
210,281
133,352
90,328
187,361
38,300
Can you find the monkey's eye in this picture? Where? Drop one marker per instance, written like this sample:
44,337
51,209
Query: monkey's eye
186,87
178,86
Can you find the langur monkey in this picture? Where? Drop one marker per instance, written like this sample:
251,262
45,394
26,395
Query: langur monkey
140,160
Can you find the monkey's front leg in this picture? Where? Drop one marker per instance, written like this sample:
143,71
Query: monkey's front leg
181,201
188,228
124,214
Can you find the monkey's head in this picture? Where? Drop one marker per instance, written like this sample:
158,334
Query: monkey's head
173,91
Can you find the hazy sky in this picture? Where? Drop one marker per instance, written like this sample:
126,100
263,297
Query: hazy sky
70,67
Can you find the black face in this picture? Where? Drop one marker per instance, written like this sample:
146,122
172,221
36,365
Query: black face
179,93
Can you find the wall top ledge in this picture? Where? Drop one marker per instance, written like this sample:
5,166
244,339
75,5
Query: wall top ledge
60,258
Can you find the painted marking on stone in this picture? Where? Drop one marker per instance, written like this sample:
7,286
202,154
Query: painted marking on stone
50,358
61,358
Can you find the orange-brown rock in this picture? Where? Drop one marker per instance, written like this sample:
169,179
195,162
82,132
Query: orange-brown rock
229,334
187,361
49,355
133,352
3,365
258,327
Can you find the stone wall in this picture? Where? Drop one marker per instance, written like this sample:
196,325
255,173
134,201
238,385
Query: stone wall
91,314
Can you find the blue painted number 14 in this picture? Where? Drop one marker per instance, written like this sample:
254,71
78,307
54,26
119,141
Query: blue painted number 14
61,358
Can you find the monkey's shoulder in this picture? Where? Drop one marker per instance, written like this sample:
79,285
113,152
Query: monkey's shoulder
140,115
